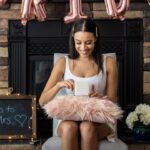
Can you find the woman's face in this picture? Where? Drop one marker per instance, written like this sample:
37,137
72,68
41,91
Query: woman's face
84,43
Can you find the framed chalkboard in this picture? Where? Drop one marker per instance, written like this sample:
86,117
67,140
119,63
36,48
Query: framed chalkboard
17,117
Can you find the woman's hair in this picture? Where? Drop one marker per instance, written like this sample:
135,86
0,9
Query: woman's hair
86,25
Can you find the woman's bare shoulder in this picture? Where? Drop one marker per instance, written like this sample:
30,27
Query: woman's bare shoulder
110,59
110,63
60,64
61,60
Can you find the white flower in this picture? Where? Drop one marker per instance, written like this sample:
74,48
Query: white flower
142,108
131,119
145,118
141,114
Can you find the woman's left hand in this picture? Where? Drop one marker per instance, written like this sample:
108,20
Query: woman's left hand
93,93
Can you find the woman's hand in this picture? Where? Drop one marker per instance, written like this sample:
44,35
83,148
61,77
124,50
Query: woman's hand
66,84
93,93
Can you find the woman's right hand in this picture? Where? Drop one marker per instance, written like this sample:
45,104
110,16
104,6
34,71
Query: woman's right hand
66,84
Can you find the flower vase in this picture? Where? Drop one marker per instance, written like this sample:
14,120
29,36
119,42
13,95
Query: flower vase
141,133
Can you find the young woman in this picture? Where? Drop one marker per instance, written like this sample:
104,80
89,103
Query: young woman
84,63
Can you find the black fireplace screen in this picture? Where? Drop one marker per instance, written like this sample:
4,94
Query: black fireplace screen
39,70
31,50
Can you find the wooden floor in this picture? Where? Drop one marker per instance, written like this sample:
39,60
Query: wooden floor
20,147
139,146
39,147
14,146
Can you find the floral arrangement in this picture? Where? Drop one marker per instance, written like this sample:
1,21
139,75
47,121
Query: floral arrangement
141,115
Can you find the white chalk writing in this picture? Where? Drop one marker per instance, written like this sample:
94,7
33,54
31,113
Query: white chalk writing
9,116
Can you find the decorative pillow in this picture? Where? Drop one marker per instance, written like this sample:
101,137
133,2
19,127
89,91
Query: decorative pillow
79,108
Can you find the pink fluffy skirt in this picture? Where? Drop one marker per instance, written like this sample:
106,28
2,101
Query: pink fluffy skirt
79,108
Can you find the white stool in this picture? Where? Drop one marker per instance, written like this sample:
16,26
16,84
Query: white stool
54,143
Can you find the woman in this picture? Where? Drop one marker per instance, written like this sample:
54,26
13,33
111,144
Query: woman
85,63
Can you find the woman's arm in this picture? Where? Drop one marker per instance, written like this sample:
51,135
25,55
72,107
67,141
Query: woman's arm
52,85
111,83
55,82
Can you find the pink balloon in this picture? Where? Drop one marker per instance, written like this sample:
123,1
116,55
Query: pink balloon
37,6
26,9
2,2
75,11
117,12
39,10
148,2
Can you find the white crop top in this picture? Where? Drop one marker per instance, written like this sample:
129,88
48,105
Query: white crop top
98,80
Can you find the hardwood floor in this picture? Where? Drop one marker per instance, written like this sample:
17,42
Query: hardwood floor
139,146
20,147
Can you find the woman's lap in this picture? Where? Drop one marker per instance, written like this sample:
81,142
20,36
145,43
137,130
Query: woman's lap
102,130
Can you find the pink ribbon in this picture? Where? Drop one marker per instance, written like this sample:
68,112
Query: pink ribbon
75,11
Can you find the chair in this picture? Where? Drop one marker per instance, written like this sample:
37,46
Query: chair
54,142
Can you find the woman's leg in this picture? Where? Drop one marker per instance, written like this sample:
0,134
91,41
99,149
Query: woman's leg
91,134
68,131
103,131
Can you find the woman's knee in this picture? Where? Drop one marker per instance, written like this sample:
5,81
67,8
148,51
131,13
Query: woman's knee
69,129
87,130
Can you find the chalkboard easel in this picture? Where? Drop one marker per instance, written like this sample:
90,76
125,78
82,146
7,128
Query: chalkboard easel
17,117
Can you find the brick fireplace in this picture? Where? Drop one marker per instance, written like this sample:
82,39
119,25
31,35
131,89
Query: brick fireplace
95,10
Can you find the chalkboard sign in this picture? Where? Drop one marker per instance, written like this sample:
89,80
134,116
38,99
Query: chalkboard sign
17,117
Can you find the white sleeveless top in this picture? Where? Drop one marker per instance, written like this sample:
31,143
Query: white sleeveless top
98,80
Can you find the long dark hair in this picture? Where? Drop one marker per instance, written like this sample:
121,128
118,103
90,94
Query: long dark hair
86,25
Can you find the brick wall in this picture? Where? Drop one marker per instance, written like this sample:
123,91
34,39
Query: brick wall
95,10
